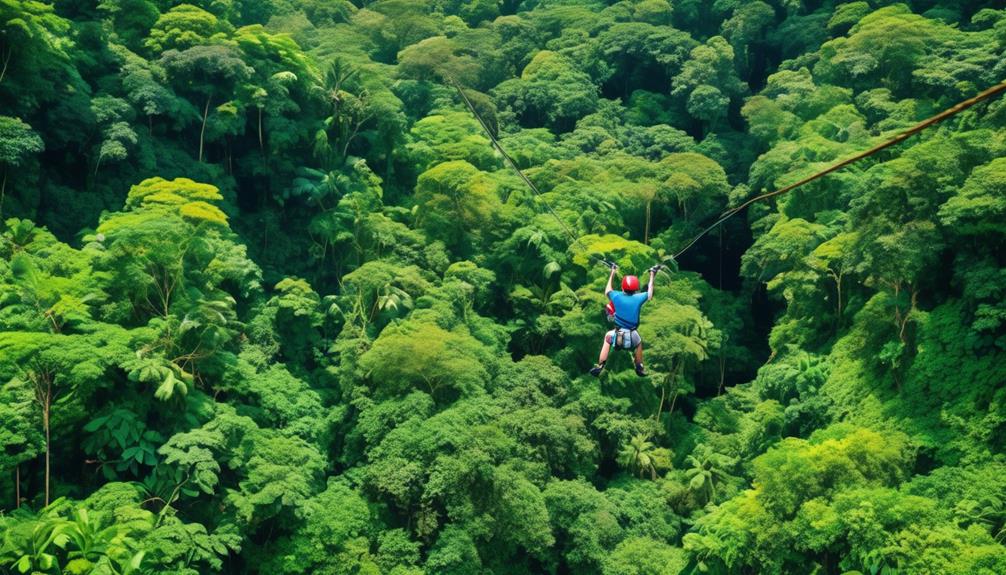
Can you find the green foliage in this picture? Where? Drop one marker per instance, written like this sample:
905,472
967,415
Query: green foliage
184,26
424,356
334,537
979,204
798,503
708,81
456,203
34,53
64,538
549,91
17,143
21,431
642,555
452,136
270,301
121,437
18,140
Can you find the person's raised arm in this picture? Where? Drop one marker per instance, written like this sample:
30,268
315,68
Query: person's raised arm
649,288
611,279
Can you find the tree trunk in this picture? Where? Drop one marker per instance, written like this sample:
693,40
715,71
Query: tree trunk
261,142
6,60
625,84
3,191
17,486
723,359
349,139
907,317
42,381
202,131
660,406
838,289
388,165
674,379
646,232
897,306
723,372
45,423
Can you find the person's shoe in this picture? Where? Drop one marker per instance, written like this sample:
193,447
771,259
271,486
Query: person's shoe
640,371
596,370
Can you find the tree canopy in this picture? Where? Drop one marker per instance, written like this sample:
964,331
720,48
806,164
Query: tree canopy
272,302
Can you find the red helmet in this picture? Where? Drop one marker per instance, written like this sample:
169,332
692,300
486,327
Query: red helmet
609,308
630,283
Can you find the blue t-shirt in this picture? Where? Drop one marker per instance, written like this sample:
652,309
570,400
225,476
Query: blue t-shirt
627,308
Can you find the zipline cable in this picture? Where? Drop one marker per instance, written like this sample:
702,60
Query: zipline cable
993,91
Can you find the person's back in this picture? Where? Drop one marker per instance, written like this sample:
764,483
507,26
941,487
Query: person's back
628,307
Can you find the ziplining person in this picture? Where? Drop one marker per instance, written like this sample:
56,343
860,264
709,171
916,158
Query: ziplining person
625,306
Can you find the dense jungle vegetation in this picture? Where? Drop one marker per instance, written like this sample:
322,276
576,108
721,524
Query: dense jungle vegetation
270,302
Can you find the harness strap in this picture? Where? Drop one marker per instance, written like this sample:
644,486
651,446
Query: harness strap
623,338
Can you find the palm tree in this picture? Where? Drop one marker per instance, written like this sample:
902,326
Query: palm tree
707,469
640,456
989,511
349,113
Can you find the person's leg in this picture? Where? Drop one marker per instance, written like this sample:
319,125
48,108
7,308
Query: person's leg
605,350
640,371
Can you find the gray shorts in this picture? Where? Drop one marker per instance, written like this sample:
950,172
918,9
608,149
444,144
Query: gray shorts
621,338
